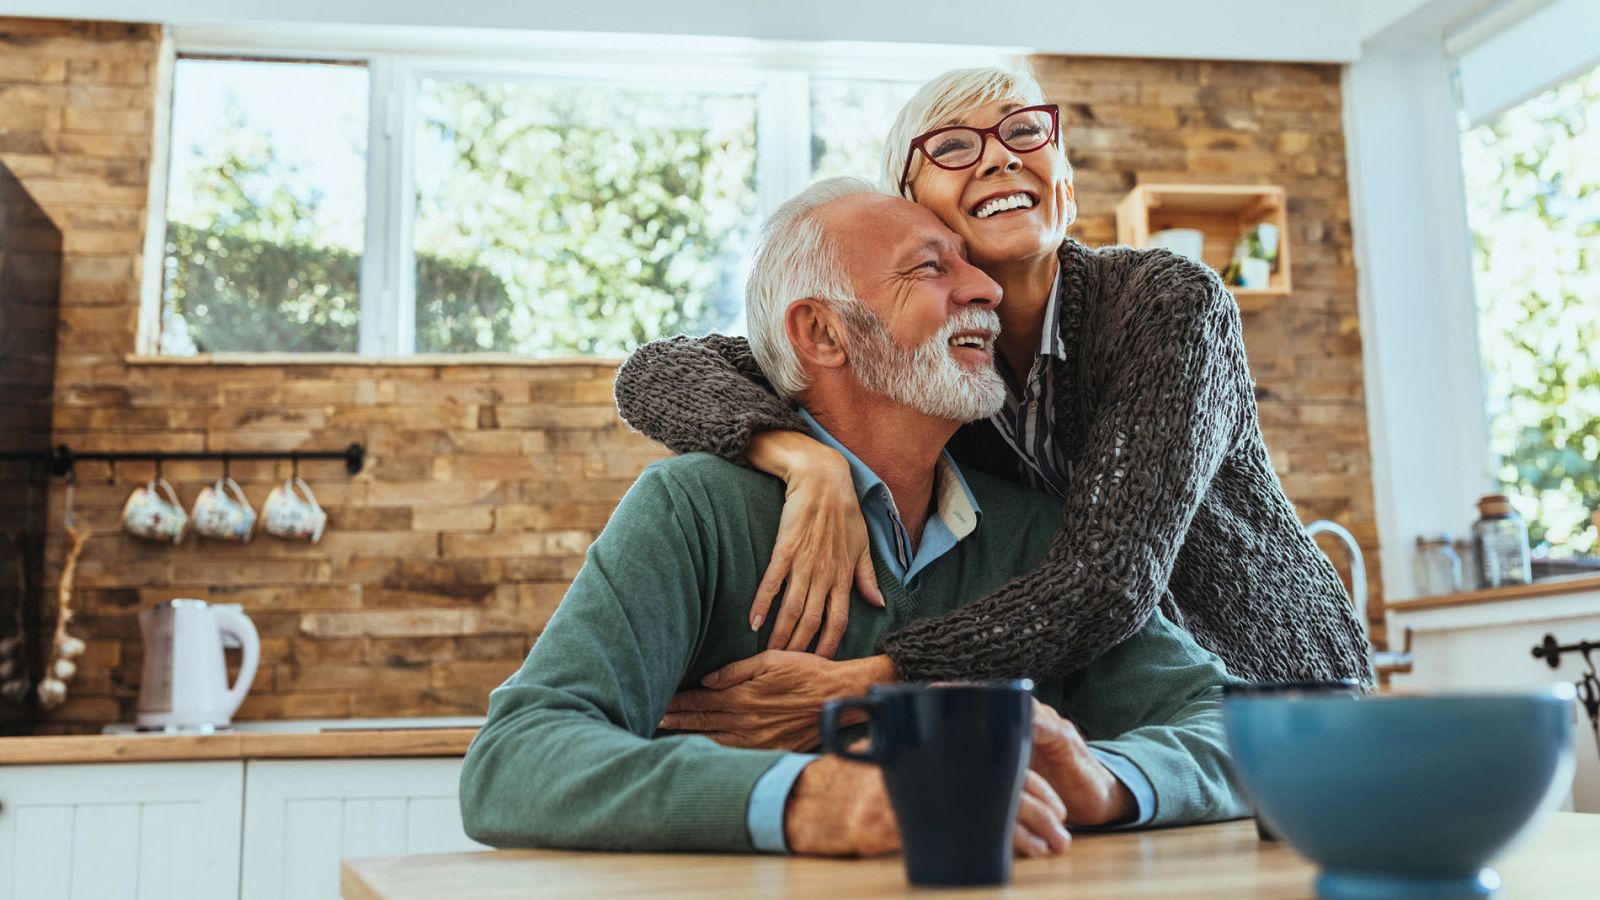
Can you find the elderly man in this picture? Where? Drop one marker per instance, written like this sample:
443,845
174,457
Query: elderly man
875,323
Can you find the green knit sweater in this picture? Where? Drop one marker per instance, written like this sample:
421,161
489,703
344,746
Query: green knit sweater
567,757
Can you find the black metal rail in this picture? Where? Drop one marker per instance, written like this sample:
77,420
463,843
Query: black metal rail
63,458
1550,651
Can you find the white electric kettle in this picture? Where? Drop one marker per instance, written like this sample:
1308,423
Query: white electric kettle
185,684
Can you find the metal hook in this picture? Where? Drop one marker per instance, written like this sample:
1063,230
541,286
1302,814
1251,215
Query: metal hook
111,469
158,468
225,462
294,463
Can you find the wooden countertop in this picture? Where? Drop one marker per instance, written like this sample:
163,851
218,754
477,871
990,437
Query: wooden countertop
1546,588
1222,860
343,744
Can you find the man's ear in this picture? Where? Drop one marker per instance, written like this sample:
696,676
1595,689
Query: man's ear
817,334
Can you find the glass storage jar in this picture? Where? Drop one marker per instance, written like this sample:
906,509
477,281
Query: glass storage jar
1500,543
1437,568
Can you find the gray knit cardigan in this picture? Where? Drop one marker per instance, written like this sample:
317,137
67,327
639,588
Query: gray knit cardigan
1172,498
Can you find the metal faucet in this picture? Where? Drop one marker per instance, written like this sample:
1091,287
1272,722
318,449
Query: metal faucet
1384,662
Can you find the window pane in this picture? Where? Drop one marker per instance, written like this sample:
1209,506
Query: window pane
848,122
266,207
1533,200
578,219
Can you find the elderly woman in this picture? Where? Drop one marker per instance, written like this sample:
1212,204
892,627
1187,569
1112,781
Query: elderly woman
1129,397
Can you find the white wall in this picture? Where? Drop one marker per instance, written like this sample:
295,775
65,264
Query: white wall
1305,30
1425,411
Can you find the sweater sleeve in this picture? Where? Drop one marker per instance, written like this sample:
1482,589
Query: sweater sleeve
700,394
1170,414
567,757
1156,701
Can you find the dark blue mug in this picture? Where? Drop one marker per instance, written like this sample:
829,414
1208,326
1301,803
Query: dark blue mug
954,759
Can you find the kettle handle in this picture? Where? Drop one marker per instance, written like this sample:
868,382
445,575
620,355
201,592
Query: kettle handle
231,620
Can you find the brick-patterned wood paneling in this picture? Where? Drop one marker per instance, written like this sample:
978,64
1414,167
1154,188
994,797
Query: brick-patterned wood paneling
485,483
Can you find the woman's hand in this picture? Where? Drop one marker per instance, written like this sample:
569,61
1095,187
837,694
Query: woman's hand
773,699
822,545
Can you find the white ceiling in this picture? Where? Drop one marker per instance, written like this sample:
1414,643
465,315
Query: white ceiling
1302,30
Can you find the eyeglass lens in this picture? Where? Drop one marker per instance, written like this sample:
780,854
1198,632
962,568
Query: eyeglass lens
1023,130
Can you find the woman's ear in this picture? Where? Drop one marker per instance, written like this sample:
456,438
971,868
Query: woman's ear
816,333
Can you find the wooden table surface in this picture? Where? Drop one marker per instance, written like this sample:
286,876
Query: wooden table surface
1224,860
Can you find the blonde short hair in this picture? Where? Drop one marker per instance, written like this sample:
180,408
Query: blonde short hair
946,99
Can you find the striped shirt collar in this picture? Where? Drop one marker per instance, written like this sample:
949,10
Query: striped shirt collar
1027,420
956,512
1051,343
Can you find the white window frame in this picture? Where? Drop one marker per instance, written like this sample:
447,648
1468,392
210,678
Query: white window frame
778,74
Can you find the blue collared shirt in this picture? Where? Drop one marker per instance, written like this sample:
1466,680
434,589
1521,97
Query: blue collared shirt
956,512
956,516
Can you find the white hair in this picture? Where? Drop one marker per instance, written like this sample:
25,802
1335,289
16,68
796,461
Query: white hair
795,260
944,101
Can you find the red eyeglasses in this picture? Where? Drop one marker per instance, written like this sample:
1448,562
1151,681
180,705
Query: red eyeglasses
959,147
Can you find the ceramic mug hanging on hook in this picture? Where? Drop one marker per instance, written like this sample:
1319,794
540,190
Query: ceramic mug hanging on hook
154,513
222,512
292,512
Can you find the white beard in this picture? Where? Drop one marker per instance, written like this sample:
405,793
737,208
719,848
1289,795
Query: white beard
927,377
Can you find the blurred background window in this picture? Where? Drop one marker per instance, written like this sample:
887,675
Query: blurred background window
849,118
1533,199
517,207
266,207
568,220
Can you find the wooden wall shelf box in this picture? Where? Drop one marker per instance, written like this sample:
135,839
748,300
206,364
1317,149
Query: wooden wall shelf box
1223,213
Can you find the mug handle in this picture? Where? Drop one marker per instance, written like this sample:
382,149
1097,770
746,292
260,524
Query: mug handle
306,488
231,486
166,488
876,751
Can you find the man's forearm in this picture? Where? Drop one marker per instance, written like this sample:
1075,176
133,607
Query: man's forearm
544,772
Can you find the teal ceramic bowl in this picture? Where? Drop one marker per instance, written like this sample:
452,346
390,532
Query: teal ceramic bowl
1403,797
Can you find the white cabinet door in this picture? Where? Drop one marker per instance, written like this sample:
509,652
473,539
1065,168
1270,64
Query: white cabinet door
1489,647
161,831
303,816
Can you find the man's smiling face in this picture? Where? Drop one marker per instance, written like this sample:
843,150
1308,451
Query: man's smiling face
925,330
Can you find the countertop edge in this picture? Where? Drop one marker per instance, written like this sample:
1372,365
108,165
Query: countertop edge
1547,588
108,748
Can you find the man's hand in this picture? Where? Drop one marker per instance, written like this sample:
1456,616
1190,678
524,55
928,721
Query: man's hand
1093,795
841,808
773,699
1039,830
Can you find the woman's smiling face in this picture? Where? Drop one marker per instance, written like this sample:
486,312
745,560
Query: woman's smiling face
1035,196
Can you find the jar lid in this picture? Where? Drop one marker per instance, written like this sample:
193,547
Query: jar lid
1433,540
1494,505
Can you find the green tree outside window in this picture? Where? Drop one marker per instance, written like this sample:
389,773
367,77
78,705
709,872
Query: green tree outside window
1533,198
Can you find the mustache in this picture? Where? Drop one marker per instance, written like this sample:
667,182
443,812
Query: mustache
968,319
